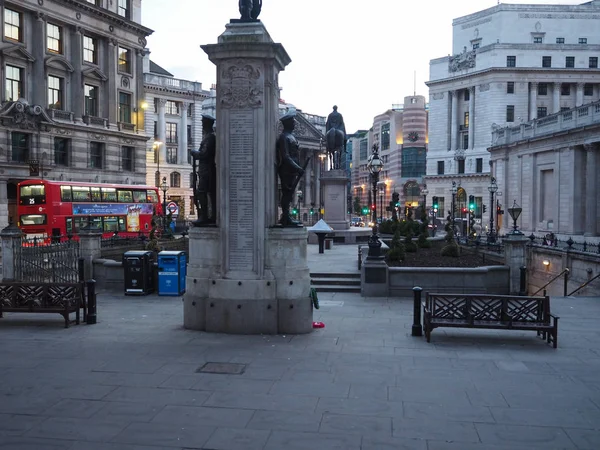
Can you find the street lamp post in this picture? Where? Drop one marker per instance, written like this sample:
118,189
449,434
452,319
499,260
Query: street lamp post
424,193
164,188
492,188
454,190
156,149
515,211
375,165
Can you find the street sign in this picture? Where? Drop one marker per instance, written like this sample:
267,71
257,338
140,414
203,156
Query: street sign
34,168
173,208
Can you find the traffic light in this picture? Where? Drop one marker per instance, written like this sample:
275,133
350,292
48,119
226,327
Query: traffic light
464,210
471,202
373,207
312,211
365,211
484,208
294,211
435,203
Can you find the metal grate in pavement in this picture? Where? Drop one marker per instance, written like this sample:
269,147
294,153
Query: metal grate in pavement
222,368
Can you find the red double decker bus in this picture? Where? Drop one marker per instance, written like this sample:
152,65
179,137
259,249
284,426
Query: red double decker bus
56,208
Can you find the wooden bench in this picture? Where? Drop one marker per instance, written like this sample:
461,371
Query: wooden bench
62,298
490,311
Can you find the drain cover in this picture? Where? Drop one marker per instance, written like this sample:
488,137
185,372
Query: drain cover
223,368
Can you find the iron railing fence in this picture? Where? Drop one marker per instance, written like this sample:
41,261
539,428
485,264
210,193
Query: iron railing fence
48,260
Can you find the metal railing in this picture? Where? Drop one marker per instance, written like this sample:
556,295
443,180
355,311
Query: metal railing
584,284
551,241
566,280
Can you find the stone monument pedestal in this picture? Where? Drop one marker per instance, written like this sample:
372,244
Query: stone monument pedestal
515,256
246,275
335,195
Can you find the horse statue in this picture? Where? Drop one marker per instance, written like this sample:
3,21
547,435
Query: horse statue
335,138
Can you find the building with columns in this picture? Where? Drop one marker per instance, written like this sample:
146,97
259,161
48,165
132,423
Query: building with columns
73,88
401,134
174,123
551,168
511,64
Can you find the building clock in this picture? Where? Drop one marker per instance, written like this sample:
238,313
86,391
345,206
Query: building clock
413,136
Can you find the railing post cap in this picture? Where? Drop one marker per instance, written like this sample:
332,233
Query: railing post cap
417,289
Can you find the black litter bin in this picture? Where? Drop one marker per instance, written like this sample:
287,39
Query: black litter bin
139,272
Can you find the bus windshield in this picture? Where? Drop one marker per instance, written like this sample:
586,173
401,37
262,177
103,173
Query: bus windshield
32,194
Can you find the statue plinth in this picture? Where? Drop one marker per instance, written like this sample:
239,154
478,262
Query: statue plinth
245,276
335,195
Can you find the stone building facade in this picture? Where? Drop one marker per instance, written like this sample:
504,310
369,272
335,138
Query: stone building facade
511,64
73,89
174,122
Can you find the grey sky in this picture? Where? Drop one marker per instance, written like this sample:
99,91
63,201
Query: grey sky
360,56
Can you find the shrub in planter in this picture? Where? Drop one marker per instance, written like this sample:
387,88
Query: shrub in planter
396,254
451,249
422,242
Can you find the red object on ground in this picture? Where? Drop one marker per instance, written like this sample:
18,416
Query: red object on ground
318,325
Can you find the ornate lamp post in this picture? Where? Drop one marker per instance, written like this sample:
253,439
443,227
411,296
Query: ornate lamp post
375,165
515,211
454,190
492,188
164,187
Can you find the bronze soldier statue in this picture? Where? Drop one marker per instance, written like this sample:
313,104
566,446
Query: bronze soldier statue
335,136
288,168
250,9
205,174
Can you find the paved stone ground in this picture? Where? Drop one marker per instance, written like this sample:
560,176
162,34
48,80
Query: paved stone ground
130,382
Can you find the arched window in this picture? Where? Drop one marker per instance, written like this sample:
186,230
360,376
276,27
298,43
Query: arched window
175,179
412,192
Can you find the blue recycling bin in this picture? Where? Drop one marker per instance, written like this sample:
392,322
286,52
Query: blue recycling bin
171,273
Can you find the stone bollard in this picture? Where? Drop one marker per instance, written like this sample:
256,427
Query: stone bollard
417,328
90,248
11,245
91,295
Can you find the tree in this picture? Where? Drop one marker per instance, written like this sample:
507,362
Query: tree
357,208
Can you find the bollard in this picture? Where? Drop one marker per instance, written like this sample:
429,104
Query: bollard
91,293
81,268
523,281
417,328
566,282
359,257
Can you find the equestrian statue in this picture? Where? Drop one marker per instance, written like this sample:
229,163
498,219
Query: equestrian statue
335,138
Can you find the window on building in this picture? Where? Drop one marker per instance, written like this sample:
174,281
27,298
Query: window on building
510,113
172,155
192,179
54,38
364,149
593,62
90,50
190,109
511,61
465,141
570,62
91,100
61,151
466,120
14,83
95,2
155,130
124,60
413,162
560,40
171,135
583,40
538,40
385,136
467,95
127,154
96,155
124,107
461,166
510,87
588,89
546,61
476,46
564,108
542,89
13,26
542,111
440,168
172,107
479,165
565,89
175,179
55,92
20,147
123,8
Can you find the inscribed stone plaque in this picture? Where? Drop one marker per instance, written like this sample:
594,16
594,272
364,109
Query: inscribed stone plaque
375,275
241,190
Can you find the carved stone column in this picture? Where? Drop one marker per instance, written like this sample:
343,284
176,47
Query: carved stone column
183,136
77,77
591,189
556,98
453,95
472,117
533,101
38,96
579,95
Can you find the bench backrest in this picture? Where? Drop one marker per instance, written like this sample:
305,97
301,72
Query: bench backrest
488,307
38,295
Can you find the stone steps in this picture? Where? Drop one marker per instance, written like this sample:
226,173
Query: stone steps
336,282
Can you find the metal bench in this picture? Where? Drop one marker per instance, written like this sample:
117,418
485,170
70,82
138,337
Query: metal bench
62,298
490,311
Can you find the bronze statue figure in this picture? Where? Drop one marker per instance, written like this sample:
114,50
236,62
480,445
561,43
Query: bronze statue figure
250,9
205,174
335,137
288,168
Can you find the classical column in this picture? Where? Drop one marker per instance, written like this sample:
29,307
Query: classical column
4,219
454,121
533,101
556,98
579,97
183,136
111,83
307,180
591,173
77,76
38,94
471,117
161,128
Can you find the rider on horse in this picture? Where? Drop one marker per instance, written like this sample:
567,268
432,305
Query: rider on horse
336,136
